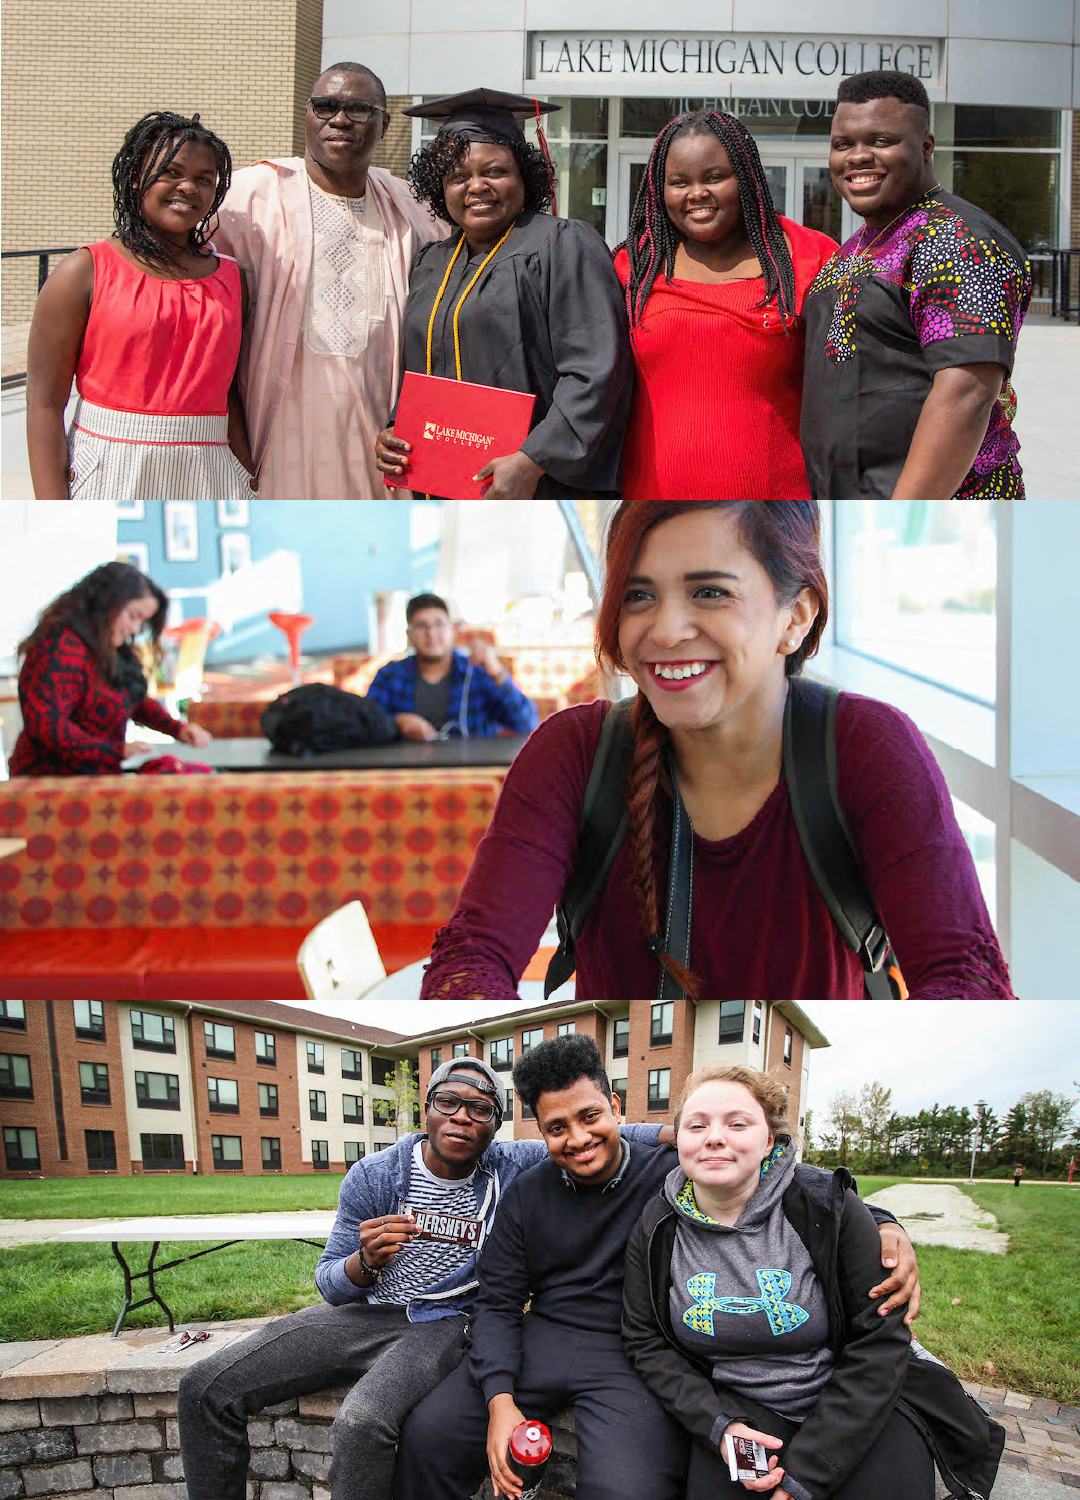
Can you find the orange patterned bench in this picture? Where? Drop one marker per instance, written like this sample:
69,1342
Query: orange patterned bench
203,887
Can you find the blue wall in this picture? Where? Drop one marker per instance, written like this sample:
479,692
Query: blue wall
348,549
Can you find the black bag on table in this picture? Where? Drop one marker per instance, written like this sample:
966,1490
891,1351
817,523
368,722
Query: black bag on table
317,717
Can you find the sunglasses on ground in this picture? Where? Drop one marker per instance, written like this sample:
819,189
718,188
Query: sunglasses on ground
477,1109
359,111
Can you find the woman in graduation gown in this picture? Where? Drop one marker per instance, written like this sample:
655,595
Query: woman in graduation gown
518,299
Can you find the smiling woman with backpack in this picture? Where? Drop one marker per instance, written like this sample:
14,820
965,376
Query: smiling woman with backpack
767,828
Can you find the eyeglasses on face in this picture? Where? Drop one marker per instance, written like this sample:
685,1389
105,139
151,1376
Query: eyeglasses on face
359,111
477,1109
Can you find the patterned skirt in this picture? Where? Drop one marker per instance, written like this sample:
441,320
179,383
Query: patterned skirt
122,455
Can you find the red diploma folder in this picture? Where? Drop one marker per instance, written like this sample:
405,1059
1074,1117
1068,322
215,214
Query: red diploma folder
455,428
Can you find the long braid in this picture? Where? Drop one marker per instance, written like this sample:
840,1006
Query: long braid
650,741
149,147
652,239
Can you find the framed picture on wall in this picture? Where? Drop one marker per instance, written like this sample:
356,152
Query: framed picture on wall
181,531
135,553
131,510
235,552
232,512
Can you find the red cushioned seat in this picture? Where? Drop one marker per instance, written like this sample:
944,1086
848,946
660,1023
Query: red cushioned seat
189,963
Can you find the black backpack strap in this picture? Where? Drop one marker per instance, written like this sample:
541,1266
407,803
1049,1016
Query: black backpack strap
680,892
601,831
810,770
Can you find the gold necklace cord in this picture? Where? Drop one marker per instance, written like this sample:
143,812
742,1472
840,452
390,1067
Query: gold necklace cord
465,293
438,299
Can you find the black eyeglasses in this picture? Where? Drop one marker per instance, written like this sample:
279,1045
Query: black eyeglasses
359,111
477,1109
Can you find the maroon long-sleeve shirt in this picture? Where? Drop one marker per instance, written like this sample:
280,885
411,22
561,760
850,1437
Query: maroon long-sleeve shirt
760,927
74,722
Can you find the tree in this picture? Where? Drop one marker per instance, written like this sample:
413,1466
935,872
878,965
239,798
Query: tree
875,1107
808,1133
844,1118
1049,1117
404,1081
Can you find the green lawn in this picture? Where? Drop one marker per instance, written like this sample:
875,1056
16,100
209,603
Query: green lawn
1020,1312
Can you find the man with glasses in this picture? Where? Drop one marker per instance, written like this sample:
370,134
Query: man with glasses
325,242
439,693
399,1275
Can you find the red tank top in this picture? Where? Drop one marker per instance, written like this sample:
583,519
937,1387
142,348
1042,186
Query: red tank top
165,347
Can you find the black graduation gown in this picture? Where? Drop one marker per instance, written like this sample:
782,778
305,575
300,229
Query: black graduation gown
546,317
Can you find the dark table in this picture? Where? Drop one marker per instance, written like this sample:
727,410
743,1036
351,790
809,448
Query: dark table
400,755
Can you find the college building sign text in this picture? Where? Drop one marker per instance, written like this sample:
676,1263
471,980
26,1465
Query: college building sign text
638,61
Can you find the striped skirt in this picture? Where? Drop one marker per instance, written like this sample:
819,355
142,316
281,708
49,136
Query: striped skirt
123,455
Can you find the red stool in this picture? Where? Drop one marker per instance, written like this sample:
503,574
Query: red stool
292,627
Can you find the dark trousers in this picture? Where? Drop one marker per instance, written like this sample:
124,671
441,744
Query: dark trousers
627,1444
393,1362
898,1467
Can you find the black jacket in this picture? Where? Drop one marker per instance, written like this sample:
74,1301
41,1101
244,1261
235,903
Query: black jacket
877,1366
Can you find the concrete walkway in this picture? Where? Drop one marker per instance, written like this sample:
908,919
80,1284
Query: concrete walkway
939,1214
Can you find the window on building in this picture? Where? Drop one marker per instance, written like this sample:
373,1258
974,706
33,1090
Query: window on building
152,1033
531,1039
15,1080
436,1058
352,1064
316,1104
316,1057
732,1020
566,1028
501,1053
268,1099
382,1145
383,1112
89,1020
157,1090
162,1153
508,1113
94,1083
266,1049
352,1109
271,1153
13,1015
21,1149
100,1150
618,1088
461,1049
354,1150
663,1020
659,1088
789,1040
220,1040
228,1153
759,1012
224,1096
320,1156
620,1045
382,1072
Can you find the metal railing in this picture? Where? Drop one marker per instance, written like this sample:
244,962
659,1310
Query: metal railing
42,260
1055,278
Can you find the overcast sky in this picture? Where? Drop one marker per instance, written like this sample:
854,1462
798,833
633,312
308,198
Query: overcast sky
948,1053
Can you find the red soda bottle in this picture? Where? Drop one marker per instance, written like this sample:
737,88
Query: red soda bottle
527,1456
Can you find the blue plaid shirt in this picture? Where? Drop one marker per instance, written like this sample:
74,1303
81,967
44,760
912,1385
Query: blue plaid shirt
489,708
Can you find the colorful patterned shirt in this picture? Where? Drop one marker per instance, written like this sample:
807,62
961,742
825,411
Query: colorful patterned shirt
943,285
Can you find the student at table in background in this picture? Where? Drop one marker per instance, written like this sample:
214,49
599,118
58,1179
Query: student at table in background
81,681
441,693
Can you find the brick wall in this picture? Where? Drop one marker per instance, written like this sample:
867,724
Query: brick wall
80,1117
1074,236
791,1076
249,1125
643,1059
395,149
247,70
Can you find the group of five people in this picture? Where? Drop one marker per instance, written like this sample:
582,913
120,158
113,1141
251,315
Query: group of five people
254,328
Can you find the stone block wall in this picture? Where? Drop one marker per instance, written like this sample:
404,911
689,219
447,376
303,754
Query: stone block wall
97,1416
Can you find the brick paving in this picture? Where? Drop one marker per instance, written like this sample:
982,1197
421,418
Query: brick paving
1042,1437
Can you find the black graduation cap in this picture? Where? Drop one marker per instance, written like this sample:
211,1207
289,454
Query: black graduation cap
482,114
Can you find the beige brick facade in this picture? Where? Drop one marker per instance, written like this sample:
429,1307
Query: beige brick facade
246,70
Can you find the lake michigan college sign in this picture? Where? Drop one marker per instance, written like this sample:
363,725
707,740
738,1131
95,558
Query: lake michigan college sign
639,62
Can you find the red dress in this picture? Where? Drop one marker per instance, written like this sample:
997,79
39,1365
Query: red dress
718,387
166,347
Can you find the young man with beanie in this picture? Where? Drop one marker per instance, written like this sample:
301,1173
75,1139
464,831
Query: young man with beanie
558,1244
398,1276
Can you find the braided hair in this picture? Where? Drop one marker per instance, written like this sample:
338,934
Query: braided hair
149,147
652,239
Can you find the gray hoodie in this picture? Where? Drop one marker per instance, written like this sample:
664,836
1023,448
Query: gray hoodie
746,1296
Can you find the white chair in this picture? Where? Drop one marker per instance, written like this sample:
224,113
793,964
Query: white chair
339,959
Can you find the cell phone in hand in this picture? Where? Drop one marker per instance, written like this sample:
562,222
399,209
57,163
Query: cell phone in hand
746,1459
